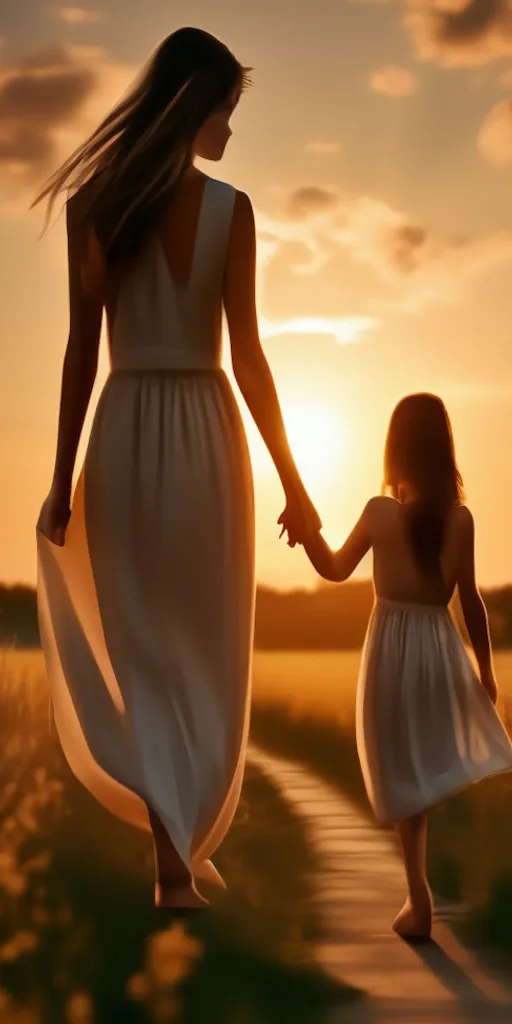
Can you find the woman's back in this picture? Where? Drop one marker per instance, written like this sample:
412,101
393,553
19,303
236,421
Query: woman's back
164,309
397,575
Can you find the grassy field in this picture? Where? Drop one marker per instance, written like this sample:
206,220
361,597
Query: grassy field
80,941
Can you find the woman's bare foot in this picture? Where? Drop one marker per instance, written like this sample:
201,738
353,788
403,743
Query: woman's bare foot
185,897
206,872
174,887
415,921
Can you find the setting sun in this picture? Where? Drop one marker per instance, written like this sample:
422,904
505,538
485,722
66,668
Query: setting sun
317,440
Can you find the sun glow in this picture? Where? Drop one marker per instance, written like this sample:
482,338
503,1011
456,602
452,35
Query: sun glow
318,441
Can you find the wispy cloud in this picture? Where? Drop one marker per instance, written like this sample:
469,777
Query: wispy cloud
312,202
495,136
457,32
74,15
345,330
460,32
418,266
50,100
393,81
324,148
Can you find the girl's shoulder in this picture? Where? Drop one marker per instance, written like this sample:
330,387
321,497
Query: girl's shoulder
382,505
462,518
380,513
463,513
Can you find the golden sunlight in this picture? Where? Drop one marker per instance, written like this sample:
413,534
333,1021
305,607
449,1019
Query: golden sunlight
318,441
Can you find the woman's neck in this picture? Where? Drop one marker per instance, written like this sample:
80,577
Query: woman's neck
192,172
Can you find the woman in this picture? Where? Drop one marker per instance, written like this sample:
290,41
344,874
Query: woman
146,594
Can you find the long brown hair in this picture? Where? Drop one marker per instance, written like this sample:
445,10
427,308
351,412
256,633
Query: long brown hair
420,453
135,159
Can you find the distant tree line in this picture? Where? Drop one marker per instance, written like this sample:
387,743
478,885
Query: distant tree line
333,617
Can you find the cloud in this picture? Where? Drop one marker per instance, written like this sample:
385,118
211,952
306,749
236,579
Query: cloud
77,15
312,201
344,330
417,266
460,32
495,136
323,148
49,102
393,81
383,238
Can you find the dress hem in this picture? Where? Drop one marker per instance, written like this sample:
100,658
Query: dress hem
451,791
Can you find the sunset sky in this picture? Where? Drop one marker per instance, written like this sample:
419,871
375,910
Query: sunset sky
376,144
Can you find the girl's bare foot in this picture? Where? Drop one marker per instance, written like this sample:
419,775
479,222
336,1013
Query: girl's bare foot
415,921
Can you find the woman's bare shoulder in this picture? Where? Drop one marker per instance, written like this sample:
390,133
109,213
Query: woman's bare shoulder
243,227
243,208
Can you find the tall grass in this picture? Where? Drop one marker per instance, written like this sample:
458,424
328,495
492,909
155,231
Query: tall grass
80,939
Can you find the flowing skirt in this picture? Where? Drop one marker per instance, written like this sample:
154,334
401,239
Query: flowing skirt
425,726
146,612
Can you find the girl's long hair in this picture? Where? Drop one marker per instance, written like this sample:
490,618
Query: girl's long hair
420,453
133,162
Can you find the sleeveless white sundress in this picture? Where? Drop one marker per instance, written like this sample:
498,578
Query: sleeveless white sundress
425,726
146,612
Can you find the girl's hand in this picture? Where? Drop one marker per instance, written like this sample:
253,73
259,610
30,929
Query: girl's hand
54,515
489,684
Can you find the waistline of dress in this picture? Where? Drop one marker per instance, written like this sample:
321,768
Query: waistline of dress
388,602
144,359
167,371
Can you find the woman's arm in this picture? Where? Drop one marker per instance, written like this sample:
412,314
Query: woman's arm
473,608
250,366
338,566
86,273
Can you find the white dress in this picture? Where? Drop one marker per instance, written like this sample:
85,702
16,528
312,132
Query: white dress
425,726
146,612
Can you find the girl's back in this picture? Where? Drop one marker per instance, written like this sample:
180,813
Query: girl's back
397,575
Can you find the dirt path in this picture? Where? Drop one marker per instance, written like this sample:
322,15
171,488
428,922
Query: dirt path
359,889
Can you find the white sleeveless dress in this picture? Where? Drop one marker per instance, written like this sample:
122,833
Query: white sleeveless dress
425,726
146,612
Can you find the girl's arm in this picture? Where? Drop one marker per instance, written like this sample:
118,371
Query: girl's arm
250,366
86,272
473,608
337,566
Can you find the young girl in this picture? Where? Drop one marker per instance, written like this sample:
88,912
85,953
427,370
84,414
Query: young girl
426,725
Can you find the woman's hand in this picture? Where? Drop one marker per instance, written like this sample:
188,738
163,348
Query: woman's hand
54,514
299,518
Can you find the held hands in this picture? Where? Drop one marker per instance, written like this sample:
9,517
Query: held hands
54,515
299,518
